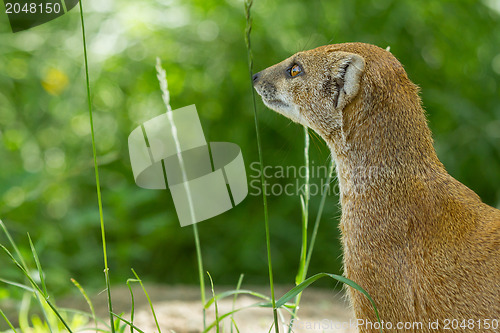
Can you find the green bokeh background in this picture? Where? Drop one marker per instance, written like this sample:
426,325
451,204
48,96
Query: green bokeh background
451,49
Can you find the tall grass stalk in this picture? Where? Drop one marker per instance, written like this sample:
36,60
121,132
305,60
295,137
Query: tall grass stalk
149,300
217,321
162,78
248,30
304,200
325,192
132,300
96,169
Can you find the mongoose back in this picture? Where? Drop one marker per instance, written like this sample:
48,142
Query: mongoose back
423,245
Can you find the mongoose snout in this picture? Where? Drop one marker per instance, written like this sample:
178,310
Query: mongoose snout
268,92
421,243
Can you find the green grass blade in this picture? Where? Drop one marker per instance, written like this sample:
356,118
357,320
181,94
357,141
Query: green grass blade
38,266
238,286
21,264
200,270
235,292
298,289
22,269
87,299
89,315
149,300
13,244
45,294
303,250
50,321
234,324
217,328
86,329
326,190
58,314
248,30
117,323
127,322
225,315
304,200
18,285
96,171
7,321
132,311
37,288
24,309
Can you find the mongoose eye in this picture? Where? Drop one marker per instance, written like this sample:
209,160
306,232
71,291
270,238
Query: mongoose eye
294,70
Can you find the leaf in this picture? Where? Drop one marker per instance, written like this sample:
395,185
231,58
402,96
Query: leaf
296,290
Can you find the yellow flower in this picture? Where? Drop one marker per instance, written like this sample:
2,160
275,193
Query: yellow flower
55,81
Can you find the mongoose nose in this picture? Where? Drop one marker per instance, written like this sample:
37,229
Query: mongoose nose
255,77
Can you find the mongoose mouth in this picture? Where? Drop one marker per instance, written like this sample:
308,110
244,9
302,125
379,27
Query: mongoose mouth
275,104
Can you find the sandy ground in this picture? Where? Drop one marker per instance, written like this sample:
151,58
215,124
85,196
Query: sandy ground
178,309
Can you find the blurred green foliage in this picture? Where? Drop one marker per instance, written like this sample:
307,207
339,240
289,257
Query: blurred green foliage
451,49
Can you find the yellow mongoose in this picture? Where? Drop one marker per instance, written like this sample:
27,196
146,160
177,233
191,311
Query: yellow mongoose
422,244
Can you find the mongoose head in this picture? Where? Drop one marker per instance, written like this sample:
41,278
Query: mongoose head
354,95
312,87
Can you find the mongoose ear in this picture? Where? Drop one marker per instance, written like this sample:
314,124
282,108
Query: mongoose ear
354,67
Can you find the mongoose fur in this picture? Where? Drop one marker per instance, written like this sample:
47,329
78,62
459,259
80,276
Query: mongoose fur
423,245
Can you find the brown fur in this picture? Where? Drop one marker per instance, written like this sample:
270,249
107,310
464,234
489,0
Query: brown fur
422,244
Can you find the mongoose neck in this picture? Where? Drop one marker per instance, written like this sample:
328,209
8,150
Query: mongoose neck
383,144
